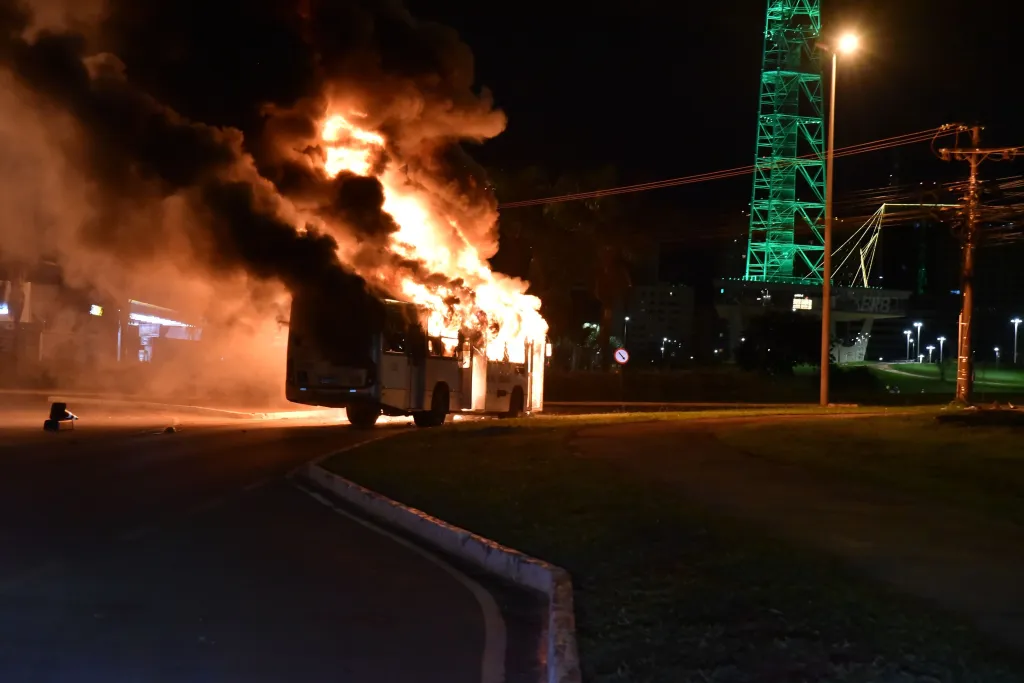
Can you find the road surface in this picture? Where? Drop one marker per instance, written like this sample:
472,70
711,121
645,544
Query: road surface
134,553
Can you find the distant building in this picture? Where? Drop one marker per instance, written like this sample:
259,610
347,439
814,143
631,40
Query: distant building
854,311
659,317
50,327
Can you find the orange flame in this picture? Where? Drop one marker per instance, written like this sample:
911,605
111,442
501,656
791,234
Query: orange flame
490,304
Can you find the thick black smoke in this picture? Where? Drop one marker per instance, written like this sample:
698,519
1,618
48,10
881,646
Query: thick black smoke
274,68
132,146
260,75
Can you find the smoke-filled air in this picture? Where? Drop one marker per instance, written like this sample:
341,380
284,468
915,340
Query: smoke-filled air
214,158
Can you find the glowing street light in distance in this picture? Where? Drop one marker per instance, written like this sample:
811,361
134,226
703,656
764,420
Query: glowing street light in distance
848,43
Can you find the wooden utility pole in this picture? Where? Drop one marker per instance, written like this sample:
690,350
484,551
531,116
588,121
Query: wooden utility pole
972,217
965,359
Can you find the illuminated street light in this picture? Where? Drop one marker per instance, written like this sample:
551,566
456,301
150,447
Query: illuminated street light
847,44
918,326
996,349
1016,322
930,349
942,342
908,333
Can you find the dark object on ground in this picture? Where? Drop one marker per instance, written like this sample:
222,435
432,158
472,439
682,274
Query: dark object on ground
59,416
170,430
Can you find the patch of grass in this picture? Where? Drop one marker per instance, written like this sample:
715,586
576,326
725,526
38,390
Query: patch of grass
975,468
666,591
724,383
913,378
546,420
983,374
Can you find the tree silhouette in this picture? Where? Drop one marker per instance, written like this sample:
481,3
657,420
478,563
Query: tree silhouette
778,341
584,244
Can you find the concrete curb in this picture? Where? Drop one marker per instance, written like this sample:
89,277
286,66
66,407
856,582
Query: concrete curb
561,663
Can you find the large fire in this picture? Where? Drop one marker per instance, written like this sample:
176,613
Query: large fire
477,300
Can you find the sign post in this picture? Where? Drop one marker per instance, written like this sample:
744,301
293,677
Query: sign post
621,357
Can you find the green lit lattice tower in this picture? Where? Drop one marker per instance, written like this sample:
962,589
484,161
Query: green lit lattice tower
789,164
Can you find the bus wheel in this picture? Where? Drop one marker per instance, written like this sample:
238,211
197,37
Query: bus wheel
515,404
362,415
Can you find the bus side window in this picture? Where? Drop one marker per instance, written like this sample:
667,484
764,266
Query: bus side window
394,341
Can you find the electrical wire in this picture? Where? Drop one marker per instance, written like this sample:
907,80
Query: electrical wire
875,145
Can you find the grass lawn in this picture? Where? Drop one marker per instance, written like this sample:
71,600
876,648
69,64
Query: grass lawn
666,591
989,379
981,469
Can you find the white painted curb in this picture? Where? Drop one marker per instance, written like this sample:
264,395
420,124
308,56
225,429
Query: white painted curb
561,657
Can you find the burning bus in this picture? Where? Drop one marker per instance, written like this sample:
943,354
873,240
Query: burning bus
402,367
439,331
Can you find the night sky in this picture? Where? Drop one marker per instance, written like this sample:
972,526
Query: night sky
669,89
662,90
657,90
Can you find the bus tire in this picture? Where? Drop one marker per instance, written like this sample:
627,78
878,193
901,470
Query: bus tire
515,404
362,415
438,412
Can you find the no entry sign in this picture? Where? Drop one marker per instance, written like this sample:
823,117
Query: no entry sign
621,356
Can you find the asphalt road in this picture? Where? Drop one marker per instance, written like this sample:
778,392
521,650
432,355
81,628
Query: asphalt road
132,554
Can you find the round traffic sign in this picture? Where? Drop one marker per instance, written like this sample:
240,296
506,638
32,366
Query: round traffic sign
621,356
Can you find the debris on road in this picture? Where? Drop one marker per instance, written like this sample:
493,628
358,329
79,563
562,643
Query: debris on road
59,416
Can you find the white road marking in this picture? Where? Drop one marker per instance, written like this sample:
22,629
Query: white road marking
492,667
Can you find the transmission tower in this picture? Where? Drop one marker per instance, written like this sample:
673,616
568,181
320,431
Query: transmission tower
789,162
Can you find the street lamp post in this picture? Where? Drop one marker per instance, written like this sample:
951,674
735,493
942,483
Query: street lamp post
847,44
942,342
625,330
908,333
918,326
930,349
1016,322
996,349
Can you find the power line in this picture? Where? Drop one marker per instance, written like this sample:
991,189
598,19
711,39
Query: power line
862,148
908,194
